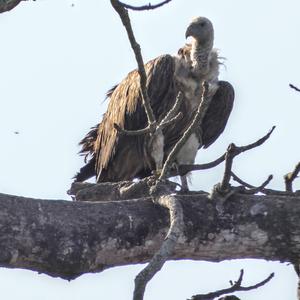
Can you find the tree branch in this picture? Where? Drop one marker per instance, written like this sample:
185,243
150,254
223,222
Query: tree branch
67,239
170,115
144,7
7,5
196,122
294,87
166,250
232,151
290,177
236,287
259,189
118,6
183,169
164,123
264,190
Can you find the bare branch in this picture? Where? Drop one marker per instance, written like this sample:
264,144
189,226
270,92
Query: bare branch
173,110
229,156
200,113
144,7
257,143
148,129
290,177
139,227
166,250
132,132
294,87
115,191
259,189
170,121
7,5
123,13
183,169
263,190
236,287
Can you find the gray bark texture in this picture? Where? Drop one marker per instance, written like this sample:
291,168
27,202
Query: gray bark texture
66,239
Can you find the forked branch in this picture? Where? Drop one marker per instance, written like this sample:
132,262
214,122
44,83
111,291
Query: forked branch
263,188
183,169
164,123
196,122
290,177
236,287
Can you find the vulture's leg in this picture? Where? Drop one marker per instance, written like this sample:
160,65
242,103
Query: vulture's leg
157,150
186,156
184,183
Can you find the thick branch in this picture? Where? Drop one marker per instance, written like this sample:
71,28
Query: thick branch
67,239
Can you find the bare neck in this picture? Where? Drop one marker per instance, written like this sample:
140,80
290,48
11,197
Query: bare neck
200,56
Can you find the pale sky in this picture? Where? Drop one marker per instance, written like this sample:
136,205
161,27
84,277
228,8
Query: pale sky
59,59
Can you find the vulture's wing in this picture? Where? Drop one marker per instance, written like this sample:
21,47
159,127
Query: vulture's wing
121,157
88,150
217,114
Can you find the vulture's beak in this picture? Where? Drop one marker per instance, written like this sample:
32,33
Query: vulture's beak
189,32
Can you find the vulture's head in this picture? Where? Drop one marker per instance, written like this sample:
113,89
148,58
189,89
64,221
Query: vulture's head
201,29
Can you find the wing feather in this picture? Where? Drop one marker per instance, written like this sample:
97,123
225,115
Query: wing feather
217,114
121,157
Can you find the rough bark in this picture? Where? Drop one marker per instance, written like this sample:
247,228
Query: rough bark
67,239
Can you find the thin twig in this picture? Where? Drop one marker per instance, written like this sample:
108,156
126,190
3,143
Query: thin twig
123,13
132,132
252,190
290,177
148,129
158,260
144,7
167,122
197,120
294,87
173,110
257,143
236,287
260,188
263,190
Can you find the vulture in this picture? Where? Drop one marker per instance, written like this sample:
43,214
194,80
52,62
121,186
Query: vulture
112,157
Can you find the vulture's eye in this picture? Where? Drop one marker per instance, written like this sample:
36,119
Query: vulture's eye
202,24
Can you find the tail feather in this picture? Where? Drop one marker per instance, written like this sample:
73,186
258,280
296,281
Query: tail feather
86,171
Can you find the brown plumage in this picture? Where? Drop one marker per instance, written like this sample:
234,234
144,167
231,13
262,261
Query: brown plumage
113,157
